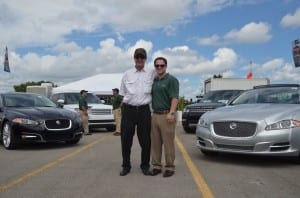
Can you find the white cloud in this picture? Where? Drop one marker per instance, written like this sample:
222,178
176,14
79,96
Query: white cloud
183,60
250,33
206,6
291,20
272,65
48,22
212,40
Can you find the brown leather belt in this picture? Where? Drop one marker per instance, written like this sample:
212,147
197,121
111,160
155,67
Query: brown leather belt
135,107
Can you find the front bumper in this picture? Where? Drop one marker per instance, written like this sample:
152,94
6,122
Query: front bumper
23,133
273,143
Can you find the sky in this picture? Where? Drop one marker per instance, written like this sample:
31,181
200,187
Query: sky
68,40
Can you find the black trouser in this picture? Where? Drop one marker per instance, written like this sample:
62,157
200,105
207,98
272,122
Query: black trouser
139,118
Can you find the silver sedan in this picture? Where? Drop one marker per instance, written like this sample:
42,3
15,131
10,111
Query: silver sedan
261,121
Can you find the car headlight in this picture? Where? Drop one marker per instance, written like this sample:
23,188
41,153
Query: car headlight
203,123
283,124
186,110
25,121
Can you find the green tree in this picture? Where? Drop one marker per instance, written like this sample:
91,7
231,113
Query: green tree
181,104
22,87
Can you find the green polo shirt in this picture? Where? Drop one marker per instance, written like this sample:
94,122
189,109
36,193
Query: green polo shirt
163,91
82,103
116,101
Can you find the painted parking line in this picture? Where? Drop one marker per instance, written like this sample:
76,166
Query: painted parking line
199,180
51,164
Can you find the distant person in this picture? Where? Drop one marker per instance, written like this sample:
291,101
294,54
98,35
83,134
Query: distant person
117,103
165,95
83,110
135,88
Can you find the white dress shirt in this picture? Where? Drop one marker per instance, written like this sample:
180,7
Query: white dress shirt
136,86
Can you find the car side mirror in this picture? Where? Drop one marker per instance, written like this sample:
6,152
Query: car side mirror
60,103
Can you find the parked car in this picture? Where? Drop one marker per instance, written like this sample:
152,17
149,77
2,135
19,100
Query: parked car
28,117
210,101
261,121
100,115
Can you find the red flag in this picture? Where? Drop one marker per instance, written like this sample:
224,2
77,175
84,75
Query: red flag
6,63
249,75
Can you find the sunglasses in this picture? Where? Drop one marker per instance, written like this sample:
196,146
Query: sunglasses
140,57
161,66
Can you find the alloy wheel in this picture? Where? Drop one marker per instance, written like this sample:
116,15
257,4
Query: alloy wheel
6,136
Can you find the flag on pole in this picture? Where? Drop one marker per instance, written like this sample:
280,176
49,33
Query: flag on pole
250,74
6,63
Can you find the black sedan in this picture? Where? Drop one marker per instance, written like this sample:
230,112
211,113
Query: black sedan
28,117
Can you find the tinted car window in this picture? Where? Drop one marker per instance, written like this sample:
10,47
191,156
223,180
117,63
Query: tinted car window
219,96
281,95
25,100
73,98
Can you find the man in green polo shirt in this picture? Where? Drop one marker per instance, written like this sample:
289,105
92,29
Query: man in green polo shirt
83,110
165,94
117,103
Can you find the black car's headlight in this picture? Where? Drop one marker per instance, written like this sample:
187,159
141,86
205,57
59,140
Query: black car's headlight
186,110
203,123
283,124
26,121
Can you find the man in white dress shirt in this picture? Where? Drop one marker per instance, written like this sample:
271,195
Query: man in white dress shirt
136,88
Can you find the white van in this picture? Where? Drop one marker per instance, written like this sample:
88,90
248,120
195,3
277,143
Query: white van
100,115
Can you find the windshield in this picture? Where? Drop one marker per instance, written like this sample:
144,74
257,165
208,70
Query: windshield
73,98
27,100
220,96
282,95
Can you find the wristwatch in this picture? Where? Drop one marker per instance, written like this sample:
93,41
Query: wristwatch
172,113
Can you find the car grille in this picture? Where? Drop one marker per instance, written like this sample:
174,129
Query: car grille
100,121
235,147
58,124
56,136
100,111
201,109
234,129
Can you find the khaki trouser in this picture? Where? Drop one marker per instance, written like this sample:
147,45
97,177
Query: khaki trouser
85,121
117,117
162,136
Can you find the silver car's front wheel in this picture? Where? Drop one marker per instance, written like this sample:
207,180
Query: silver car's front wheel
7,137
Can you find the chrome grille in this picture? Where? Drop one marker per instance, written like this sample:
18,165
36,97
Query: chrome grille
235,147
234,129
57,124
201,109
100,111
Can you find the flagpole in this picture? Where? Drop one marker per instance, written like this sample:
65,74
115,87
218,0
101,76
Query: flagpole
250,74
6,62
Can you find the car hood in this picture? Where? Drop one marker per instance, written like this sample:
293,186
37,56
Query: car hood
204,104
42,113
254,112
91,105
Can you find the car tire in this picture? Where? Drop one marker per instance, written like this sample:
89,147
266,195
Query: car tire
8,139
71,142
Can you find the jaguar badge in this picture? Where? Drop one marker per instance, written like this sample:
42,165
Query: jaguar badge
233,125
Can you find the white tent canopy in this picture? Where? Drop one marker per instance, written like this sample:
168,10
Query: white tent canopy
101,84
